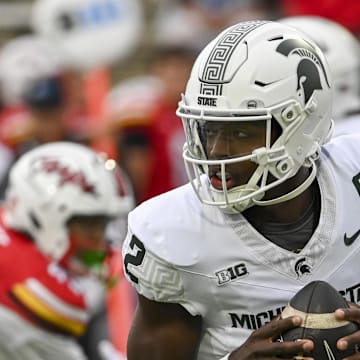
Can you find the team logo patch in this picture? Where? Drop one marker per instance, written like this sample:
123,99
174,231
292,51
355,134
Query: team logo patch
65,174
302,267
231,273
308,68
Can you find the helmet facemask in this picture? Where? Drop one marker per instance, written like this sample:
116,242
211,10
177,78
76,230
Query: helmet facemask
202,157
272,163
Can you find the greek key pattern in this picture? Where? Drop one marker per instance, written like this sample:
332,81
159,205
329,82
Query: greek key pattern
157,279
216,64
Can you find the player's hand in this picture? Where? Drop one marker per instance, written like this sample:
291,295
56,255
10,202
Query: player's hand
262,344
350,314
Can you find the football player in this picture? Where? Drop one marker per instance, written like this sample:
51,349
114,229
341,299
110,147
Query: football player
59,200
342,51
270,205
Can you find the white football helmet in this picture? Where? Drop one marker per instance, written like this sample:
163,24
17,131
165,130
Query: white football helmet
342,51
257,71
56,181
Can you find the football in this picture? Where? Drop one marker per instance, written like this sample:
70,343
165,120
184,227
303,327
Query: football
315,304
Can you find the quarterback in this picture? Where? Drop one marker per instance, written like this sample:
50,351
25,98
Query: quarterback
52,237
272,203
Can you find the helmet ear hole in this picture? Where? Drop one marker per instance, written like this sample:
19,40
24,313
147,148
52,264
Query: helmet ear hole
289,114
34,220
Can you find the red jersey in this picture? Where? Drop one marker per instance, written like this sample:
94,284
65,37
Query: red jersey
142,116
346,15
38,289
167,138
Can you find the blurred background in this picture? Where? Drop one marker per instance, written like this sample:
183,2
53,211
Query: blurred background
110,73
16,20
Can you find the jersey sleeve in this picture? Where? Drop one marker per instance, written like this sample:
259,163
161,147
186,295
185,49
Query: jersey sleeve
151,276
160,253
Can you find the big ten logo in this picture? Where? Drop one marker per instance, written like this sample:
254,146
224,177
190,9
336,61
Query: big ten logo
92,14
231,273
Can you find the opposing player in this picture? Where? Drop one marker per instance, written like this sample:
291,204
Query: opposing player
342,51
59,201
270,205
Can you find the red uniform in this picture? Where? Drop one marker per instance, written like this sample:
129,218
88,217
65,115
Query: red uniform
38,289
346,15
166,138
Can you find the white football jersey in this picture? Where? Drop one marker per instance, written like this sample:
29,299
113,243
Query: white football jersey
221,268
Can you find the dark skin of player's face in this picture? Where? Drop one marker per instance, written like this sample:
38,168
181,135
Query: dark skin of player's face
231,140
225,140
87,233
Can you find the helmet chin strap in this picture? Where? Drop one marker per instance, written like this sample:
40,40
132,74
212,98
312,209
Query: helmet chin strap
231,206
292,194
231,196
